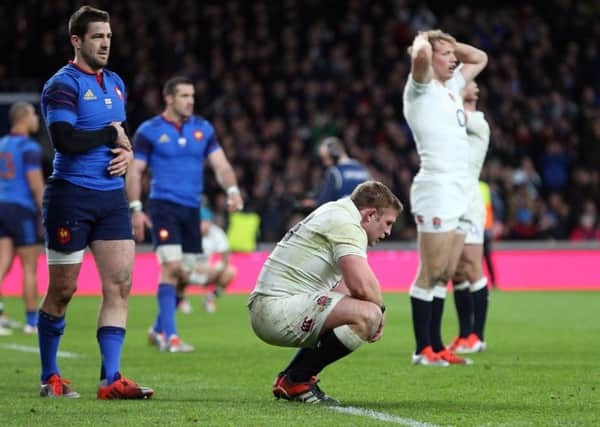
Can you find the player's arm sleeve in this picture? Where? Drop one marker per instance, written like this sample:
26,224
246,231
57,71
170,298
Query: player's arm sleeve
415,88
68,140
213,143
32,157
348,239
142,146
329,188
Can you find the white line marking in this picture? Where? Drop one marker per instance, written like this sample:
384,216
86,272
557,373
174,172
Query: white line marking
380,416
30,349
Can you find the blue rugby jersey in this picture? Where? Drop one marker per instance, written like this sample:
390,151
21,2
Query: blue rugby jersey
341,180
176,155
79,98
19,154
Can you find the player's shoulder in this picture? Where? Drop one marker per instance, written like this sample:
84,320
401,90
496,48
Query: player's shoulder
151,124
66,76
201,121
30,144
114,76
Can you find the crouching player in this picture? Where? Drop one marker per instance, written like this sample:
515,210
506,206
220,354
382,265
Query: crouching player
209,270
316,290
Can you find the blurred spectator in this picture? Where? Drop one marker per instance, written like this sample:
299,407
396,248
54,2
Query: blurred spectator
275,77
587,227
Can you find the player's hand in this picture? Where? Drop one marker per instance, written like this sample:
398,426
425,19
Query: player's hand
379,333
139,220
122,138
119,164
235,202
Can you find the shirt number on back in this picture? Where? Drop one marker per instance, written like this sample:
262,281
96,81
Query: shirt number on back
7,166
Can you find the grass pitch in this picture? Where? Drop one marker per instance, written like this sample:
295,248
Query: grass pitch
541,369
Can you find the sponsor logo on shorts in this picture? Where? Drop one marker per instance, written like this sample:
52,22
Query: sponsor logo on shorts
307,324
163,234
323,302
63,235
437,222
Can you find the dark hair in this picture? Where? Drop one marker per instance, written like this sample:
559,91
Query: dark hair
170,86
79,21
374,194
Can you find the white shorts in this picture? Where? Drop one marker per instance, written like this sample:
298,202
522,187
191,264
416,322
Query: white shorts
293,321
474,218
438,205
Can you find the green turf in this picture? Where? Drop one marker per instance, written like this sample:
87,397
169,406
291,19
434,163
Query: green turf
542,369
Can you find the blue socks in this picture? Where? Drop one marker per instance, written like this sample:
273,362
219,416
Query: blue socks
166,309
110,339
50,329
31,317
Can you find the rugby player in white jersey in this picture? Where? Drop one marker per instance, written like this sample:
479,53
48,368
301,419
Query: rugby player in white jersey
434,111
470,285
316,290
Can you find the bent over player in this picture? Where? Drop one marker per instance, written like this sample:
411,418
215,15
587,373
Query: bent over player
316,290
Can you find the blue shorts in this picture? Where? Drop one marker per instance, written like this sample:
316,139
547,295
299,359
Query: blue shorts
175,224
19,224
74,216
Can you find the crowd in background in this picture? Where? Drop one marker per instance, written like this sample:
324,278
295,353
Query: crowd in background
275,77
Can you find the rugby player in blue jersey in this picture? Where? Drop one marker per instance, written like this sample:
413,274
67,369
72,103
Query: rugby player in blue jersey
85,204
175,145
342,176
21,187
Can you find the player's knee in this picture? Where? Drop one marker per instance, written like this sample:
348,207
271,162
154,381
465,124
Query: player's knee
369,321
122,279
62,295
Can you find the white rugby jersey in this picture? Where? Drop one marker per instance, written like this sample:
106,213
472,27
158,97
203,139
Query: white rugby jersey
436,116
215,241
305,260
478,131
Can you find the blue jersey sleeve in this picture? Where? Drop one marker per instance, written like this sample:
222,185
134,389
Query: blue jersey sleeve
32,157
60,99
212,144
142,146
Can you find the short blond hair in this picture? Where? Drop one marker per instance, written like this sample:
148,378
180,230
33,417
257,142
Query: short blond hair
436,35
375,194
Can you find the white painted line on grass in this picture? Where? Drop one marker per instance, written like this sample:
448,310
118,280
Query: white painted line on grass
380,416
31,349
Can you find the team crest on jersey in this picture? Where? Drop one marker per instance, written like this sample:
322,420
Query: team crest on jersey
164,138
437,222
89,95
118,92
163,234
307,324
198,135
63,235
323,302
